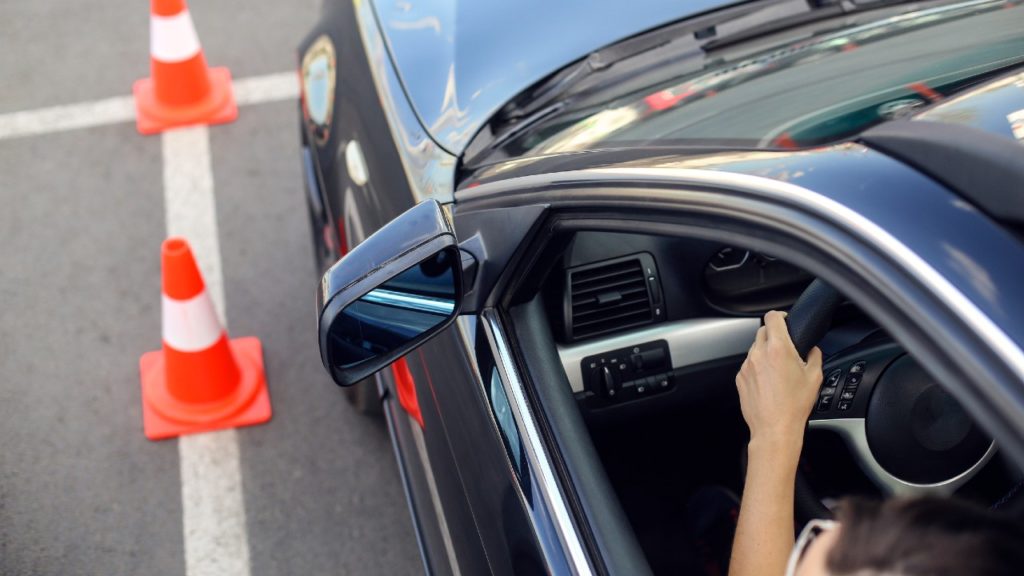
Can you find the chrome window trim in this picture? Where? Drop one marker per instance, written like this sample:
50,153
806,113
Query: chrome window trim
954,299
854,432
693,179
690,186
690,342
535,450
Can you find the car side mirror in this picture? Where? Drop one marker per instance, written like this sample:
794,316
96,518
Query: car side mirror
390,294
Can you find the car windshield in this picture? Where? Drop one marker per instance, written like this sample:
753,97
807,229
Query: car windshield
801,87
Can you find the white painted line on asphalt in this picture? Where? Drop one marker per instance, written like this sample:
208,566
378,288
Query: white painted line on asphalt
119,109
67,117
269,88
213,508
189,205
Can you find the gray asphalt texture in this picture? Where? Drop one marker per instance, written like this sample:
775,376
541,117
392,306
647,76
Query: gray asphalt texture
81,221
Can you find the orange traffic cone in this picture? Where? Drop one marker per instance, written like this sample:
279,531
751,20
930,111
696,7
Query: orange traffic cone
200,380
181,90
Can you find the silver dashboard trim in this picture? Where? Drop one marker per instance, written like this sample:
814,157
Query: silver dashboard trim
535,450
689,342
854,432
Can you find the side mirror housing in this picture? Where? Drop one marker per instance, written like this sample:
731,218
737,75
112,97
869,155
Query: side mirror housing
390,294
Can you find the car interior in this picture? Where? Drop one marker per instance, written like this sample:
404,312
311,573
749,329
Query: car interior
651,330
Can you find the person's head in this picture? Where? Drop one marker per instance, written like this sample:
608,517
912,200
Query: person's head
915,537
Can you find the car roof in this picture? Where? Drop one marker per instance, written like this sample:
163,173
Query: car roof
459,62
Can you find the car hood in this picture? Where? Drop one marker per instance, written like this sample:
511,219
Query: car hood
460,62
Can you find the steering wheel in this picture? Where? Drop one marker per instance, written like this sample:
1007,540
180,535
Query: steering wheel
909,435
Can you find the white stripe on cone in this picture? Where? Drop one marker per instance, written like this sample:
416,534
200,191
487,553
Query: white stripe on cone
190,325
172,38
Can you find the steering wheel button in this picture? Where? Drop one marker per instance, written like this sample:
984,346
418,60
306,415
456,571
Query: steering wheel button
847,394
825,403
828,391
845,404
857,368
854,378
833,378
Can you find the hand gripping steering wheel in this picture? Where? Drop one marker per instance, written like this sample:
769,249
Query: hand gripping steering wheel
909,435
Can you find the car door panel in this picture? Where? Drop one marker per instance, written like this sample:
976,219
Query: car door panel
459,428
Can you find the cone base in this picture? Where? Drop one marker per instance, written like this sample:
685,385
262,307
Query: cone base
166,417
218,107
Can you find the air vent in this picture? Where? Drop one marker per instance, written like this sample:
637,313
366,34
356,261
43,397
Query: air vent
612,295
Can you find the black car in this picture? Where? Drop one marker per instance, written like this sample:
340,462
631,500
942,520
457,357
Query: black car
559,226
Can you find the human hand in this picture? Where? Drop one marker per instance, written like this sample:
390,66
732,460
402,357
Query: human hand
777,388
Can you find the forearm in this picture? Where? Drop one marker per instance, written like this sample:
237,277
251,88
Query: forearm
764,534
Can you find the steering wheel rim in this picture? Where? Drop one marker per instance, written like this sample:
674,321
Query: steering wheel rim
808,321
871,369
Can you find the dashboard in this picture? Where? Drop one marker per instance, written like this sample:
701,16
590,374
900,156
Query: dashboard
638,316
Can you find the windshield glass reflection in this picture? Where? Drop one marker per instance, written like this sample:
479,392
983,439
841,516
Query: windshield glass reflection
798,91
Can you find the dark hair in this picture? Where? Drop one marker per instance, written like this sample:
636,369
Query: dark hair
925,537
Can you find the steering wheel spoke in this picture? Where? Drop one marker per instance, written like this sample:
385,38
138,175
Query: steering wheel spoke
854,432
843,405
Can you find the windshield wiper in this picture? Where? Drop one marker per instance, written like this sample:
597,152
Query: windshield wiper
697,28
822,10
695,34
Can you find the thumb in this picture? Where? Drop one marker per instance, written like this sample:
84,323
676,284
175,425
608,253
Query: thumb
814,360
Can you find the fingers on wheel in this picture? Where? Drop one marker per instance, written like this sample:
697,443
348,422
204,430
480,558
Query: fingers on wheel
814,360
775,322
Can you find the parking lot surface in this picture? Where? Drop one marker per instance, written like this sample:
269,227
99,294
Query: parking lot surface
82,216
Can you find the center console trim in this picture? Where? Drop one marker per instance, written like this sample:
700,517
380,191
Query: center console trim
690,342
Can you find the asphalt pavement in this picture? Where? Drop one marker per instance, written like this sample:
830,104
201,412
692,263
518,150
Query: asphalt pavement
81,222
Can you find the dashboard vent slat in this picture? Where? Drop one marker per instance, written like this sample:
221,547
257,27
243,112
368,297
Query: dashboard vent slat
631,293
631,283
592,308
609,296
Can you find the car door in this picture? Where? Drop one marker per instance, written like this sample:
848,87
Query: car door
475,503
463,477
516,489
